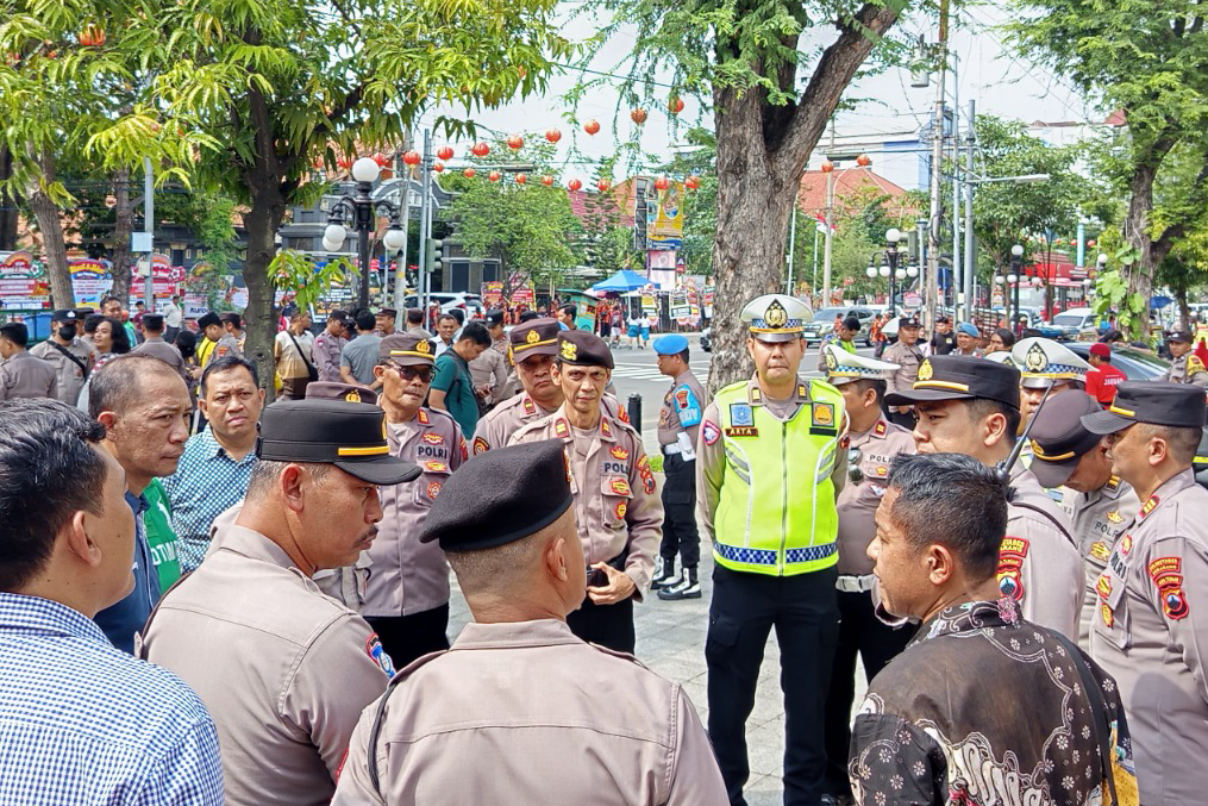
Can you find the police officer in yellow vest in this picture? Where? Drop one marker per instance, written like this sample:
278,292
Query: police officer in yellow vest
768,470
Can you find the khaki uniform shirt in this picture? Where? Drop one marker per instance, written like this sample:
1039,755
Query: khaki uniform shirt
526,713
284,670
490,369
908,358
682,411
617,505
168,353
711,459
496,428
857,503
1152,636
233,345
406,576
1039,565
69,378
25,375
1188,369
1099,517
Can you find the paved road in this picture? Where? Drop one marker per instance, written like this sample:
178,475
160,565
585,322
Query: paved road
671,635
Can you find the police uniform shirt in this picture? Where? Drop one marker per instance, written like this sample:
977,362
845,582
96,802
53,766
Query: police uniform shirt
69,378
524,713
908,358
284,670
1188,369
496,428
1038,564
682,410
1098,519
1151,635
23,375
490,369
406,576
857,503
617,502
711,451
168,353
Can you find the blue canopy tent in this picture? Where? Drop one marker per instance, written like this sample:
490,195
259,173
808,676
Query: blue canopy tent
622,281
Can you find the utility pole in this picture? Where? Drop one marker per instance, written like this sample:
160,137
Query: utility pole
792,244
970,261
954,282
425,222
149,227
937,154
829,234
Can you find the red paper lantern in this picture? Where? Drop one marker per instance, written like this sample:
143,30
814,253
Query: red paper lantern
445,153
863,160
547,180
827,166
469,173
604,185
412,158
494,176
638,116
553,135
515,142
480,149
591,126
381,159
344,162
675,105
574,185
1057,242
521,179
438,167
1090,243
692,182
662,183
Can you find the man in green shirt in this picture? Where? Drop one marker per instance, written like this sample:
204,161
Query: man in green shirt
160,538
453,387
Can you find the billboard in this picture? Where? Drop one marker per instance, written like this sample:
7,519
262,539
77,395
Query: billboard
20,285
665,219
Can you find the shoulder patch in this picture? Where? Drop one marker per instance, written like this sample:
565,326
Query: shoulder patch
710,432
1168,579
1011,554
481,445
422,415
1149,505
373,648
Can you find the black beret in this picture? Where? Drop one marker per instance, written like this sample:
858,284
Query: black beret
584,349
957,377
494,317
500,496
534,337
1175,405
153,320
1058,437
209,318
351,436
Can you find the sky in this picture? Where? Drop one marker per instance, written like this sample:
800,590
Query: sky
988,72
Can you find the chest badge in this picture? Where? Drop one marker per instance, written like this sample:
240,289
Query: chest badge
618,453
433,439
1115,517
823,414
741,415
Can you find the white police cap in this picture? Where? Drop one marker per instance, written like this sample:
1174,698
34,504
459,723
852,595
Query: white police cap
776,317
844,367
1043,361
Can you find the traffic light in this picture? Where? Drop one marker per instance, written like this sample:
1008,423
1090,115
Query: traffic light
435,254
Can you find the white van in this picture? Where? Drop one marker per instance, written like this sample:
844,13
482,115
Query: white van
1078,324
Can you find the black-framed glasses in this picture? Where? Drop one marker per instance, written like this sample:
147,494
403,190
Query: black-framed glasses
411,373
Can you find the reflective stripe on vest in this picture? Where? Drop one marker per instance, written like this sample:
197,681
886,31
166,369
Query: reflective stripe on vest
776,511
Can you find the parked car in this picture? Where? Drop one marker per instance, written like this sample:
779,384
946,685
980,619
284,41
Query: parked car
824,320
1138,365
1077,324
471,303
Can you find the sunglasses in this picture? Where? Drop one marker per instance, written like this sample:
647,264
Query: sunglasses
411,373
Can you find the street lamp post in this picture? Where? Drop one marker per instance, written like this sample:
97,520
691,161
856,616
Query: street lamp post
891,270
1014,279
361,211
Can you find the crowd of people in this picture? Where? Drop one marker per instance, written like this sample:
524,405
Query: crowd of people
255,598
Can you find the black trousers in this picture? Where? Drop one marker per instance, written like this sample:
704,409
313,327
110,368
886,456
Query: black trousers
744,609
606,625
679,512
860,633
405,638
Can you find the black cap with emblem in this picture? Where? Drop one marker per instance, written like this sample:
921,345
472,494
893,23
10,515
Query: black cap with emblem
339,390
910,320
1183,336
500,496
584,349
1059,439
63,316
407,349
351,436
535,337
957,377
1156,402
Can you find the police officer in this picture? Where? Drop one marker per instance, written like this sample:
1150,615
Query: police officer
1153,595
1066,454
534,346
154,345
407,595
907,354
1045,365
285,670
768,468
679,425
971,406
510,715
22,374
1185,365
617,508
71,356
873,442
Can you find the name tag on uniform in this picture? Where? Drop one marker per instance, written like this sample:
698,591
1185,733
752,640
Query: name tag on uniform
741,414
742,431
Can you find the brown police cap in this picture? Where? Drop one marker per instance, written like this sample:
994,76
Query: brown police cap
534,337
339,390
407,349
584,349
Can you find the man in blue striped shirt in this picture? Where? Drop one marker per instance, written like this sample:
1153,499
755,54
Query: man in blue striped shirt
81,722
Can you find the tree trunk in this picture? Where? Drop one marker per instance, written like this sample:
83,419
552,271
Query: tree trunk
123,211
1180,295
762,149
50,225
1136,230
9,212
260,317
